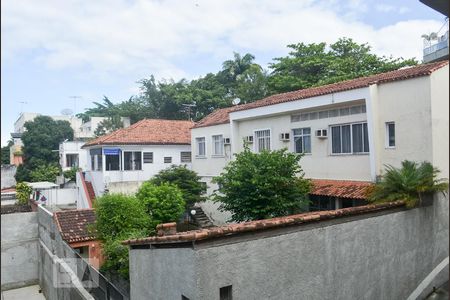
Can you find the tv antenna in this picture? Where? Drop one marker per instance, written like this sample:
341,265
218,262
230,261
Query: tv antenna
75,103
21,105
187,108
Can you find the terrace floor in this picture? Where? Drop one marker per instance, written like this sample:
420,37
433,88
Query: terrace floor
28,292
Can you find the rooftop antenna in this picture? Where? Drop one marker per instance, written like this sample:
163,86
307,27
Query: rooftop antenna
75,103
21,106
187,107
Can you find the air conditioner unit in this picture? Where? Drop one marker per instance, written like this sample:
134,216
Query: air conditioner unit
322,133
284,137
226,141
248,139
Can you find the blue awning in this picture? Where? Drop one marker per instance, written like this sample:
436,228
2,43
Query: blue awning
111,151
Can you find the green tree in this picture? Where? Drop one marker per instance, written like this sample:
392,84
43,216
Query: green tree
5,153
45,172
71,174
309,65
186,180
164,203
108,125
23,192
40,140
410,183
262,185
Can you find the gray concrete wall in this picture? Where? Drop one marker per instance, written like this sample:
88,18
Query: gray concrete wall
382,257
7,174
57,267
19,250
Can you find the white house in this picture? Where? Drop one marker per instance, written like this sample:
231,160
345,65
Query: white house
122,160
71,155
348,131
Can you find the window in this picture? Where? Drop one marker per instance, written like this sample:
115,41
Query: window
217,141
350,138
262,140
201,146
71,160
167,159
390,135
96,159
112,162
226,293
132,160
148,157
302,140
185,157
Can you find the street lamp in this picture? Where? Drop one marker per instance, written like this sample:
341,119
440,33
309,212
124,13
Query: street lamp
193,212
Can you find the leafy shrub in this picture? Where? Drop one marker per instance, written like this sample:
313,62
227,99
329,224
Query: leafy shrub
23,192
164,203
119,215
409,183
186,180
47,172
71,174
262,185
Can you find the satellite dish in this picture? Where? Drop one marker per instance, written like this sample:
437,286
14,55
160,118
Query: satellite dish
236,101
67,112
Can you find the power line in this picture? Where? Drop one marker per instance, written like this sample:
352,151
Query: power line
187,108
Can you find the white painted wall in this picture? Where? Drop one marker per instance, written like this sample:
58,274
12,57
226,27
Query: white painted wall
59,196
408,104
100,178
439,119
73,147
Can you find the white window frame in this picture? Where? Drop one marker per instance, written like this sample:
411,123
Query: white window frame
197,155
351,139
214,145
256,142
133,167
387,146
302,135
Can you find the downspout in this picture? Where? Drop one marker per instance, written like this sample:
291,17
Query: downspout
372,128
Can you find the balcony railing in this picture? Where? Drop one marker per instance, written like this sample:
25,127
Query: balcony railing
441,43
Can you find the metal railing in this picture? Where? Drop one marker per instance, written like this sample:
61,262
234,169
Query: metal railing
441,44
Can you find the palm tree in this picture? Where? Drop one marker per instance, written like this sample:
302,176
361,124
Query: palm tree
409,183
238,65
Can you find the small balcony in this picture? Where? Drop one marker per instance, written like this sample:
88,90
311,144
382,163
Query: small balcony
435,46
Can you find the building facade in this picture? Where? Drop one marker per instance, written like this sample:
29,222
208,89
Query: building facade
122,160
347,131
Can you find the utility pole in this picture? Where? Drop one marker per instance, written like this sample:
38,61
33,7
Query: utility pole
187,107
75,103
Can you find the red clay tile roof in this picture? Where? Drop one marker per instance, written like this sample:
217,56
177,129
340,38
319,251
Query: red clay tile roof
341,188
73,224
148,132
233,229
221,116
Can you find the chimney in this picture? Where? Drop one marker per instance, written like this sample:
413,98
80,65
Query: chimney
166,229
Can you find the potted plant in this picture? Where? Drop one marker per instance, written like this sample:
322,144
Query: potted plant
414,183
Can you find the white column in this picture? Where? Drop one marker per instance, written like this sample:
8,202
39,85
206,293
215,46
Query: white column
372,128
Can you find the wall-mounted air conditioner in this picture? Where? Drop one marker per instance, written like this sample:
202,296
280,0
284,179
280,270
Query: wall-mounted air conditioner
285,137
322,133
248,139
226,141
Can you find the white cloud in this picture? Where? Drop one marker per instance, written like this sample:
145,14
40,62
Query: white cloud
108,37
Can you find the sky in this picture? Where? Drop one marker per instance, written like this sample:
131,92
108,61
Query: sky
52,50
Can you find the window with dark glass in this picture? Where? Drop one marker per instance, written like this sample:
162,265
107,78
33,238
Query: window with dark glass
132,160
390,133
167,159
71,160
226,293
302,140
112,162
350,138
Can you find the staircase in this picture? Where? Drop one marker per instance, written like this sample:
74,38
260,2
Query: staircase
90,190
201,218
